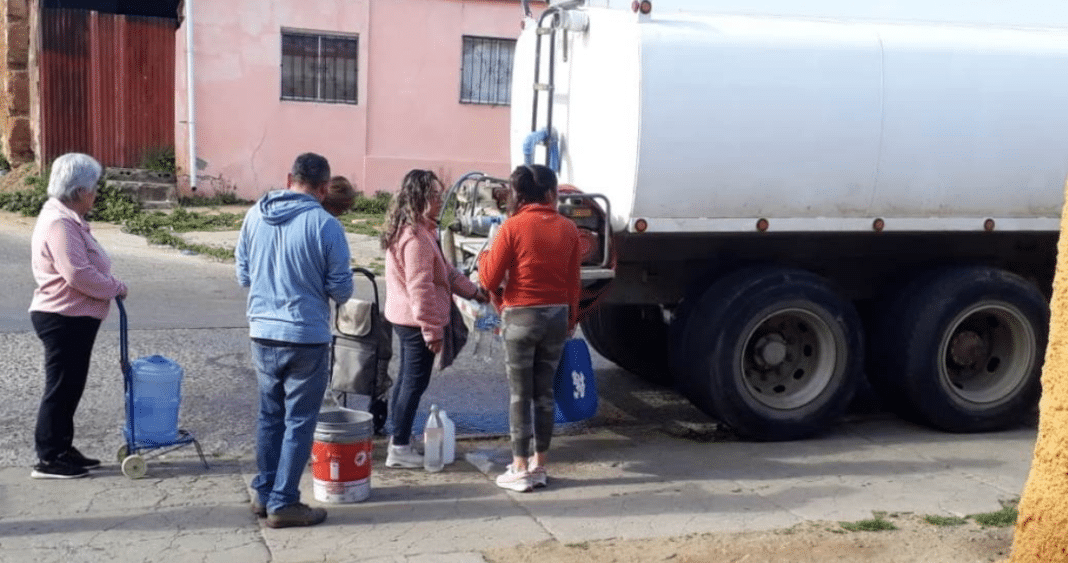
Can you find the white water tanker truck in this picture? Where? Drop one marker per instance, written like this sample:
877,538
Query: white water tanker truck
781,201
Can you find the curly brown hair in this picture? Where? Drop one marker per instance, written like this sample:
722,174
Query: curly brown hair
409,204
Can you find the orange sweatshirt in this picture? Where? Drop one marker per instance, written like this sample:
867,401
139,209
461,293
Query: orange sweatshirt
538,249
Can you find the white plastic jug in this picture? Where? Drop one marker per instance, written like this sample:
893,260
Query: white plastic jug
434,442
449,438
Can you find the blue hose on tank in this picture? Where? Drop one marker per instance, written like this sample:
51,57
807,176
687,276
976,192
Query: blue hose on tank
541,137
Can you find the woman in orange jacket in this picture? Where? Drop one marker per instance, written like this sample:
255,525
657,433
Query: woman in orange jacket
537,251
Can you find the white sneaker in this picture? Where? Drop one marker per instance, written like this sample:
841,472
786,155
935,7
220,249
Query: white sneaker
539,478
513,480
416,442
403,456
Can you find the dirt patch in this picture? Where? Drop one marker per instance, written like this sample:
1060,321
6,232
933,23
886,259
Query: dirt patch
812,542
15,180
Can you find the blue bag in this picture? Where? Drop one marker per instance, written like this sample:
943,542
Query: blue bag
575,386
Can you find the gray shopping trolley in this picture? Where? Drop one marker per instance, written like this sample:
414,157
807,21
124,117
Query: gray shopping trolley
361,348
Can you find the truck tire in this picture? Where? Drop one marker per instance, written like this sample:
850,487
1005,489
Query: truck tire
634,337
962,350
775,353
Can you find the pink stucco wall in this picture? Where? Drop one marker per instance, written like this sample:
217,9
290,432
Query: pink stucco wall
408,116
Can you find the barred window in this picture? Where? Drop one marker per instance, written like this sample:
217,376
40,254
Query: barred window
486,76
319,68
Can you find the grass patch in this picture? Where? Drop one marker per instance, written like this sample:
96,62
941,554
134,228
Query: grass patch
936,520
369,224
28,203
377,204
227,197
160,228
182,221
998,519
164,238
159,159
877,524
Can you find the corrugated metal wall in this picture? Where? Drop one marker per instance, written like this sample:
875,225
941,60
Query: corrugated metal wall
107,85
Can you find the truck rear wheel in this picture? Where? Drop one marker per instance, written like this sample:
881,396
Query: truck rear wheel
775,353
634,337
963,350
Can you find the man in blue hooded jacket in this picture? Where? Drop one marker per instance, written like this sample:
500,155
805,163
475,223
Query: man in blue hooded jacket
294,258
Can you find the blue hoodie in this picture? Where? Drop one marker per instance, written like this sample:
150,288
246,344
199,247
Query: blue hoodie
293,256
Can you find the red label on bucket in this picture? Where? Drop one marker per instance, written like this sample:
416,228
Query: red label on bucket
341,462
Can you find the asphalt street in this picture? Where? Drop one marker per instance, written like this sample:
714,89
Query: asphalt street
189,308
647,465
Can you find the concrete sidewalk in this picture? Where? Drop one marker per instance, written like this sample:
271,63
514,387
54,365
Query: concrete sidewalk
637,482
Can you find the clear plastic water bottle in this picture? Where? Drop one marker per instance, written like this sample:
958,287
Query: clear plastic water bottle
448,453
485,332
434,442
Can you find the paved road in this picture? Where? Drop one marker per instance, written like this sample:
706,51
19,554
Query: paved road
648,465
190,309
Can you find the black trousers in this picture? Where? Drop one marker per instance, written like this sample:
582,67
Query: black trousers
68,345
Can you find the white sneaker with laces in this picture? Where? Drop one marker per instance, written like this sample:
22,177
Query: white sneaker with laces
514,480
403,456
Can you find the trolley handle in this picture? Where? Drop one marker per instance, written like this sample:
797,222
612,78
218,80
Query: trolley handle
124,358
370,276
374,286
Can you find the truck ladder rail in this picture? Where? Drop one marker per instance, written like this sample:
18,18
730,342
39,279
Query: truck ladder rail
550,84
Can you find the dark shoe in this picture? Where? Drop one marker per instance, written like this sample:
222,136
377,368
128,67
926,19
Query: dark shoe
57,469
258,509
379,410
296,514
75,458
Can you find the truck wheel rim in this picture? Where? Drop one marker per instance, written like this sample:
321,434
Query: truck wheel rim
988,351
789,359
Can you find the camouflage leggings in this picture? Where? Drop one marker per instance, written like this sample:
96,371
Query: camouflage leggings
533,341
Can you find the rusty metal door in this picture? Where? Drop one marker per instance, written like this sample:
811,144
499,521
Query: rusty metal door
107,85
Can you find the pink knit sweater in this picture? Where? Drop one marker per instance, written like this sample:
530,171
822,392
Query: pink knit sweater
72,270
419,284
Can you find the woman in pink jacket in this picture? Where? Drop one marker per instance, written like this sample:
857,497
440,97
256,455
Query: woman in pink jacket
74,292
419,287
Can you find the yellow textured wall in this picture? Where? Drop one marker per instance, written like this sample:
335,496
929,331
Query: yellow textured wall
1042,527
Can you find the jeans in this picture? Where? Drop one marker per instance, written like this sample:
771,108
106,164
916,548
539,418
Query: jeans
533,343
416,363
68,346
292,380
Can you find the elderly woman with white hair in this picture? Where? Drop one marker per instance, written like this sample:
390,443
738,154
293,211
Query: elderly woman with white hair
74,292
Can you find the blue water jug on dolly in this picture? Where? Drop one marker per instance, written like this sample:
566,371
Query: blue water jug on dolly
152,391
